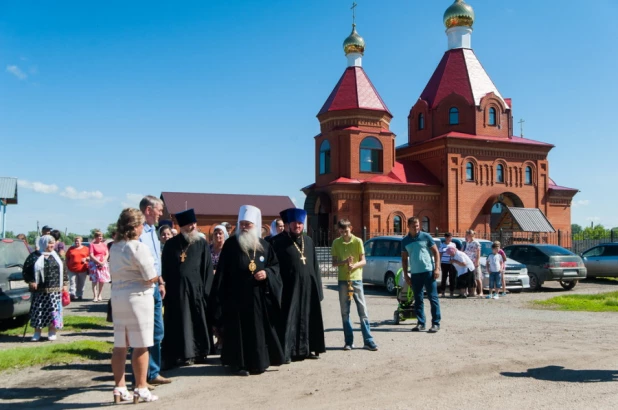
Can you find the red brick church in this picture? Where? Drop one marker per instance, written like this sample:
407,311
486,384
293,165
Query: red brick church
461,168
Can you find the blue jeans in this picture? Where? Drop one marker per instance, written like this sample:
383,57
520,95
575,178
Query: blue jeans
154,361
427,281
361,307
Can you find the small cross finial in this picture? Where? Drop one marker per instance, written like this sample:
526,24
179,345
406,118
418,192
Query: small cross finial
521,127
354,13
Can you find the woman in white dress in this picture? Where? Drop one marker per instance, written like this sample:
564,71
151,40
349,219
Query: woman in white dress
133,273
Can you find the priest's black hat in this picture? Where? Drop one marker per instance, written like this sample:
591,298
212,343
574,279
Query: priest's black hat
284,216
186,217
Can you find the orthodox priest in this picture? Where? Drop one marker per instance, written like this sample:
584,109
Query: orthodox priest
187,271
248,298
302,331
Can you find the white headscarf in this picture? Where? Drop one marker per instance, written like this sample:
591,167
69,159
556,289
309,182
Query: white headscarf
224,229
252,214
273,228
39,265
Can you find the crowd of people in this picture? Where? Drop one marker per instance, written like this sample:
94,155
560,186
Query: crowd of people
256,302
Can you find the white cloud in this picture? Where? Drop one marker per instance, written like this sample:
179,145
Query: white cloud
132,200
38,186
72,193
581,202
294,200
593,219
16,71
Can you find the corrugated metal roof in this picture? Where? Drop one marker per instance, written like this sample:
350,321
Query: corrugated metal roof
531,219
224,204
8,189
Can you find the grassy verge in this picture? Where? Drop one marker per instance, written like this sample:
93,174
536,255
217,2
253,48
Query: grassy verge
21,357
602,302
71,324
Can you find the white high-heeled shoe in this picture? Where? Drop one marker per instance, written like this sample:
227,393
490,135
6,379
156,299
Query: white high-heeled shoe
143,395
36,337
122,394
52,336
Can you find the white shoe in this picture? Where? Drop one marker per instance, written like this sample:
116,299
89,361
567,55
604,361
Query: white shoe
52,336
36,336
496,296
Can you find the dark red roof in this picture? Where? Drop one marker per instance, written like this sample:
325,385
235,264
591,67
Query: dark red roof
460,135
461,73
224,204
553,186
404,172
354,90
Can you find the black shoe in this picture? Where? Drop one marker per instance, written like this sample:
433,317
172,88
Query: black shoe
242,372
313,356
189,362
418,328
434,329
462,297
201,360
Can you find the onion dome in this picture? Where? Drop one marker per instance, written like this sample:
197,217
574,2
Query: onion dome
354,43
459,14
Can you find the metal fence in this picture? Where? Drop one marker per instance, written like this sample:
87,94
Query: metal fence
576,243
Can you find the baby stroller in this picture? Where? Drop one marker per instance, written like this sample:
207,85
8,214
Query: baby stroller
405,299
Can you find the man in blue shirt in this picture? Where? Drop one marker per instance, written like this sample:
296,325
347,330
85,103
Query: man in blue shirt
152,208
420,254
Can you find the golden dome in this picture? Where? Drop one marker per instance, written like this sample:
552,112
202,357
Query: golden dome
354,43
459,14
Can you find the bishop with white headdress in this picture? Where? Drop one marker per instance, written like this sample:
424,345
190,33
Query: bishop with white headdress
248,298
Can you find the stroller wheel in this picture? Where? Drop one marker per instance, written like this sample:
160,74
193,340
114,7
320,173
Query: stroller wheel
396,317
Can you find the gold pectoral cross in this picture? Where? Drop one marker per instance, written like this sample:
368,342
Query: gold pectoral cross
304,259
183,256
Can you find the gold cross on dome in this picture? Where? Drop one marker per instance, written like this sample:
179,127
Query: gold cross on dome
354,13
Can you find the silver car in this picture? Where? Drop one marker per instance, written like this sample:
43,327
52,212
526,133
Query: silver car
601,260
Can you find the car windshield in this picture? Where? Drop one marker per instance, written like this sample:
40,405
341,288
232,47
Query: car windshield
485,249
12,253
555,250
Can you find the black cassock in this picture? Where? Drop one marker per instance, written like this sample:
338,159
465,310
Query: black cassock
248,311
187,288
303,329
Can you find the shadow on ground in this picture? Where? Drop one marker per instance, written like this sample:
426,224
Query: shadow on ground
560,374
49,398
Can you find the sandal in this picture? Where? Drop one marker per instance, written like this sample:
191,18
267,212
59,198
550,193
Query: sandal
144,395
121,394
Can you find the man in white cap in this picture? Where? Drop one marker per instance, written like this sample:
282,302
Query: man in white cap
247,296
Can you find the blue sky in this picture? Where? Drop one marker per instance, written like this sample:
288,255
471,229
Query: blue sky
101,102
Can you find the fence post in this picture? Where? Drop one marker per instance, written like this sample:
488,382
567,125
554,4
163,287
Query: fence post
437,232
364,233
559,237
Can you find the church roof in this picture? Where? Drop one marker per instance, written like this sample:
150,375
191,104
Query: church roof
459,72
464,136
403,173
553,186
224,204
354,90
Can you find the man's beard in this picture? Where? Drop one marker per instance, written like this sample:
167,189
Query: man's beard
248,241
192,236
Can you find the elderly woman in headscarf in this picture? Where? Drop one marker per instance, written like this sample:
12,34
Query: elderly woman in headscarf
46,278
219,236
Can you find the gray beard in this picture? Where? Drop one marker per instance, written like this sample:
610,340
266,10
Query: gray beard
248,242
192,237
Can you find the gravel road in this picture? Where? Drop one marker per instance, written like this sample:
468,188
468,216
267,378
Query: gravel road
489,353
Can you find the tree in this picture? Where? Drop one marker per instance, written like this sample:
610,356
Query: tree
9,235
597,232
575,229
111,228
32,235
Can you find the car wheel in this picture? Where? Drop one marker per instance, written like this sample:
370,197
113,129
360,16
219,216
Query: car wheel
568,285
389,282
535,284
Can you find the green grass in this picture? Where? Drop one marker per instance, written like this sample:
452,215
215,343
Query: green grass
20,357
71,324
602,302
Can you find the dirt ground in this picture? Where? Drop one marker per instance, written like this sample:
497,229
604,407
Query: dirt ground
489,353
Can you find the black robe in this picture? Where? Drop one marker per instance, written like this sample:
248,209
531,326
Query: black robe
302,329
187,289
248,311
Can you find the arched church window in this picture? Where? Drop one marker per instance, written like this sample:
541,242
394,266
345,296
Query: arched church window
453,116
528,175
325,157
421,122
425,224
397,226
500,173
469,171
492,116
371,155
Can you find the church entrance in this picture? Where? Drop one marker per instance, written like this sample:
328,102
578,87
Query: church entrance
499,207
318,207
